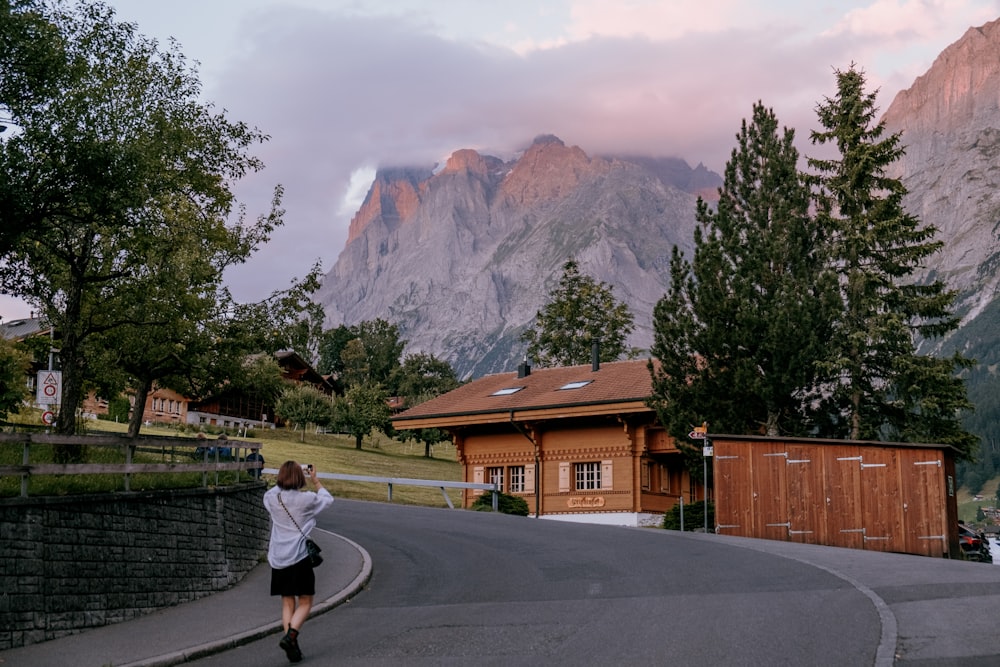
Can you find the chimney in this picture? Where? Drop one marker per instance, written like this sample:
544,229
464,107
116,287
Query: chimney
595,355
523,369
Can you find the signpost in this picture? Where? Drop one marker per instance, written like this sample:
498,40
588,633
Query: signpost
48,387
701,433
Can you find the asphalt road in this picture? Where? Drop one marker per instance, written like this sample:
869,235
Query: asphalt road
454,587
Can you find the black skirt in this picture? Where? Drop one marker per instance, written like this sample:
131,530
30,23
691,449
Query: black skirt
298,579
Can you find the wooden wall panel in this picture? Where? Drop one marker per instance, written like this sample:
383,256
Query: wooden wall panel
923,488
804,472
732,472
768,481
881,500
842,465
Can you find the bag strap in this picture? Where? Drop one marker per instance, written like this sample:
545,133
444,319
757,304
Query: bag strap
282,503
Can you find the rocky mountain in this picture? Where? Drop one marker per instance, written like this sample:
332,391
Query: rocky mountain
949,120
461,258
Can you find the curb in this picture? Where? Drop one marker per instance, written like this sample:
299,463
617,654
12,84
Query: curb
247,636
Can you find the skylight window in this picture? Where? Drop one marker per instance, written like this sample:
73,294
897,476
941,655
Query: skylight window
506,392
576,385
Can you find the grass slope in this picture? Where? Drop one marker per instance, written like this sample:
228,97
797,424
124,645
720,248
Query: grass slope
380,456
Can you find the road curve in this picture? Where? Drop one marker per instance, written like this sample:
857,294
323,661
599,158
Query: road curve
452,587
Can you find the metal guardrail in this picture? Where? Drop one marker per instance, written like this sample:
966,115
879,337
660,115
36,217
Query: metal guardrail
172,447
441,484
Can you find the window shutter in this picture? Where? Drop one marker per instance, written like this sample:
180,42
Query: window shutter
607,475
529,478
564,477
478,475
664,479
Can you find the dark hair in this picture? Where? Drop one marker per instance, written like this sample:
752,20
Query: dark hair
290,476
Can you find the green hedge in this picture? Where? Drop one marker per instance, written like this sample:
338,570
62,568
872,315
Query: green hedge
694,517
506,504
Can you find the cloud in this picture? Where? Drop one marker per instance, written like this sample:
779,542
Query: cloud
341,93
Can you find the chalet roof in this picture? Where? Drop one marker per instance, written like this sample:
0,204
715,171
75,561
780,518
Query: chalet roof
544,389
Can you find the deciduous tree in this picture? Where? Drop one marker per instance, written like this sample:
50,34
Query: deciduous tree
114,159
580,311
14,365
303,405
361,410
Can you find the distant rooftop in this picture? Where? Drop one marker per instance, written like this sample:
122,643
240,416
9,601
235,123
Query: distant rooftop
23,328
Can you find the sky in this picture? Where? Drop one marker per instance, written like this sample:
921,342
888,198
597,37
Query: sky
343,87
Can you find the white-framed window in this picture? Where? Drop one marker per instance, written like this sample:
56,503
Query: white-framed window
588,475
494,475
516,479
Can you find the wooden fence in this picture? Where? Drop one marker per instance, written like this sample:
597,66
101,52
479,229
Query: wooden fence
177,456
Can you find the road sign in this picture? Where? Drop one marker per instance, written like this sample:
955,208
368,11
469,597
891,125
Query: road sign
48,418
697,434
707,451
49,387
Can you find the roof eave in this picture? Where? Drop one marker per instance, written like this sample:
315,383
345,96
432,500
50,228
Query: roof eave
525,414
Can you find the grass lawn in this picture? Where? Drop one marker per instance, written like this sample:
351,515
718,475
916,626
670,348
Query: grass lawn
380,456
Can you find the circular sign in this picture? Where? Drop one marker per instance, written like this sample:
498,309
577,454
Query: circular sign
49,390
49,417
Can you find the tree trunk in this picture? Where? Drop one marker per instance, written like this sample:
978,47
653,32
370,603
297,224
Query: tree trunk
72,388
135,419
772,424
427,450
856,415
357,441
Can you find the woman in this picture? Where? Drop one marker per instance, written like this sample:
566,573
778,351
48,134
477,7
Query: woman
291,575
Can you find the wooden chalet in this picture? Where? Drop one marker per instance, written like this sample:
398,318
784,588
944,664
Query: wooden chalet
577,443
238,409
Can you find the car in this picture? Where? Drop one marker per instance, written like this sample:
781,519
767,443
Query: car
975,545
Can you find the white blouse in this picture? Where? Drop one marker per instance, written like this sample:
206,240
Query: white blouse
287,545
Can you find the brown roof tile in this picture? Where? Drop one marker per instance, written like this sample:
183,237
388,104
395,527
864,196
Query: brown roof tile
614,382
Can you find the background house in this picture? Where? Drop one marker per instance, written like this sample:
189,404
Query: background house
577,443
32,327
237,409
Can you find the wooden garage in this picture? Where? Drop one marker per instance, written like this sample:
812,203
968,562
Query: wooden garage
883,496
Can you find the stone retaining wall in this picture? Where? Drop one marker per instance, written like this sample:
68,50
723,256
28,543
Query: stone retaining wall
77,562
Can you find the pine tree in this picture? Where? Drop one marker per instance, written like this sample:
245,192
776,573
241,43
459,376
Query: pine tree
740,329
879,386
580,311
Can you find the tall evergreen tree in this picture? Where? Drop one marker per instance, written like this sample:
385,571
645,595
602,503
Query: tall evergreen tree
739,331
880,387
580,311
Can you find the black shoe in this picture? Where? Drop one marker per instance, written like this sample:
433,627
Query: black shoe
290,645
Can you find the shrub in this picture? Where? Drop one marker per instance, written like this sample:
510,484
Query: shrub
506,504
694,517
118,409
